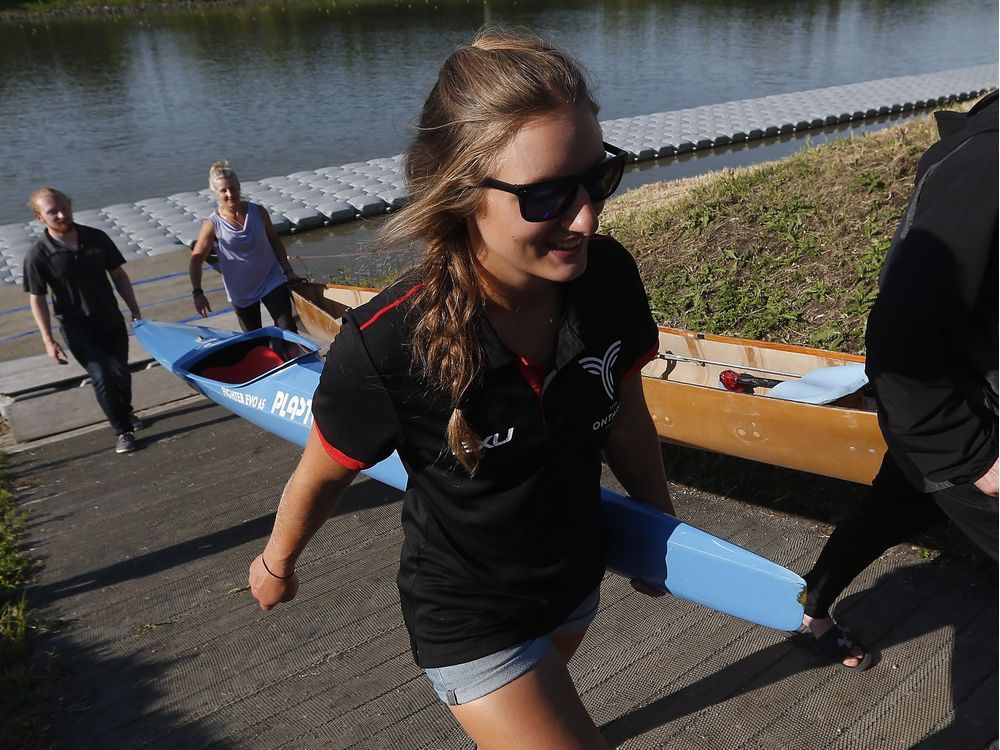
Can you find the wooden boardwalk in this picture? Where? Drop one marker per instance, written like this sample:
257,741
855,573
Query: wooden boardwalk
145,562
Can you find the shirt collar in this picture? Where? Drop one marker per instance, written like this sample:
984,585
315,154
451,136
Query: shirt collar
58,247
573,328
569,341
497,355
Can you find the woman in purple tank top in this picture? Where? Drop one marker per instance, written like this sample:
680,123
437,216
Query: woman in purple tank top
252,258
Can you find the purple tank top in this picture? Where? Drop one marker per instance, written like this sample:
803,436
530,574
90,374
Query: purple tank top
246,259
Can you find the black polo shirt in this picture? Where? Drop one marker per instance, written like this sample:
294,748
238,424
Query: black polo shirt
506,555
77,278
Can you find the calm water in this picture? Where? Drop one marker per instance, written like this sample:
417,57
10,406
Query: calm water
116,110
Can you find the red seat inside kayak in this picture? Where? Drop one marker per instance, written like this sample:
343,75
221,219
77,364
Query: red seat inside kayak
258,360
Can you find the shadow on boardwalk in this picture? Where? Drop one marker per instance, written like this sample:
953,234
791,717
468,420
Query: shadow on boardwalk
145,561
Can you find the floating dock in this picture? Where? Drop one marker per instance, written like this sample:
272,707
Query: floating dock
334,195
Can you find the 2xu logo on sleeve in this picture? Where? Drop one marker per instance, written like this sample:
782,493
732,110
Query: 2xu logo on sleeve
285,405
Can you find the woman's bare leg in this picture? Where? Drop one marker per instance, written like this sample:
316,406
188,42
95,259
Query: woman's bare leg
540,710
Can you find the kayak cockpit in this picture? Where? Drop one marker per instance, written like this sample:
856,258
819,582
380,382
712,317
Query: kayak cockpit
792,373
247,359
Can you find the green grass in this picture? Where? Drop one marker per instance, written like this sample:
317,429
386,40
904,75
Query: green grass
35,9
786,251
22,687
58,7
371,281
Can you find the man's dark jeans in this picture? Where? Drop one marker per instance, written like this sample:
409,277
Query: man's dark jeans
101,348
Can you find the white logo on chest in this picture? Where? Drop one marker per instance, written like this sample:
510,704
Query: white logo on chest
602,423
495,440
601,367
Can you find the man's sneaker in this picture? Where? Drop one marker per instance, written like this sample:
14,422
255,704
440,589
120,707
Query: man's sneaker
126,443
137,424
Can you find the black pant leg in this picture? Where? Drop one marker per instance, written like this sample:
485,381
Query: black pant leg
118,372
973,512
892,512
98,349
248,317
279,305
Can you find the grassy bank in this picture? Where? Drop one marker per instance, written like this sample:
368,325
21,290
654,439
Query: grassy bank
786,251
35,10
21,686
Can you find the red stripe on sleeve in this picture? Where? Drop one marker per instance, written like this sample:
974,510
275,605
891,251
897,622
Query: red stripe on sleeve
341,458
641,362
388,307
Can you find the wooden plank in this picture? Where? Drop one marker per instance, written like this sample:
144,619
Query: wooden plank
22,376
71,408
147,557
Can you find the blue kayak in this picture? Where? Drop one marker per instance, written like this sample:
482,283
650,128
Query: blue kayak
268,377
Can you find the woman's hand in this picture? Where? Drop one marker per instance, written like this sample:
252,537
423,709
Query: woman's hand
268,589
642,588
201,304
989,483
310,498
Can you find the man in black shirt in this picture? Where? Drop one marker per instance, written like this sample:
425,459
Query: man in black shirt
75,263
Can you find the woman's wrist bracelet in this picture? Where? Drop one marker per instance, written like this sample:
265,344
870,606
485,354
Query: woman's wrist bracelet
280,578
196,292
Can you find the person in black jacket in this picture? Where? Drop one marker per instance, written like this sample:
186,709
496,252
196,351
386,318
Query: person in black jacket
932,359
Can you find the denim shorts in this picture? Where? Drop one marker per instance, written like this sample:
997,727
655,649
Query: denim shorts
464,683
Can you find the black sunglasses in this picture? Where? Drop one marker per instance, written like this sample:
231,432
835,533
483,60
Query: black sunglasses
550,199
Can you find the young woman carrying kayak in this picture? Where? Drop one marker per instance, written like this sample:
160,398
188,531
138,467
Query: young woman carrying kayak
501,376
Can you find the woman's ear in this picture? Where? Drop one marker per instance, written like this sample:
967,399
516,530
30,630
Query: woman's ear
475,237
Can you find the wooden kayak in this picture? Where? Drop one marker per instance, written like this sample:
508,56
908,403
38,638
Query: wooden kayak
840,439
321,306
268,377
690,408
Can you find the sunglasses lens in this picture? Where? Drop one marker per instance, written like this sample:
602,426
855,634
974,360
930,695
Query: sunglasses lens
544,201
603,179
547,200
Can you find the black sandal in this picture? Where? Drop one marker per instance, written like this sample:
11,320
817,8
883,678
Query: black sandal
835,645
